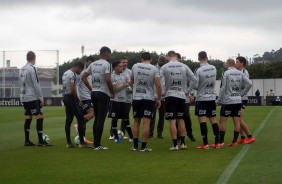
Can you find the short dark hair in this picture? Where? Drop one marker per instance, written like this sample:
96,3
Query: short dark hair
90,58
105,50
242,59
202,55
178,55
30,56
123,58
79,65
115,63
171,53
146,56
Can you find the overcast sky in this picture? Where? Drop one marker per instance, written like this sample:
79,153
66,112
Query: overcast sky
223,28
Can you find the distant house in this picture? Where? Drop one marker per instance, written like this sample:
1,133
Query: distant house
11,85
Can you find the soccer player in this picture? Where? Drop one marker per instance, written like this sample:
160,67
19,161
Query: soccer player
102,91
32,99
186,117
234,84
125,123
84,94
205,106
144,77
174,77
118,107
240,65
73,104
161,62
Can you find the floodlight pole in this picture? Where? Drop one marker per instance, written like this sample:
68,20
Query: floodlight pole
4,76
58,72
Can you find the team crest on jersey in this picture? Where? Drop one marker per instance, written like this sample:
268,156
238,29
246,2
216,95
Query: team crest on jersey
202,112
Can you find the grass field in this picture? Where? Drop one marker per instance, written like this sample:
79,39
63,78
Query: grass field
261,163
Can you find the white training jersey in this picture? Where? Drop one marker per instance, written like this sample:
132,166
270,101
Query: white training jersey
82,91
30,89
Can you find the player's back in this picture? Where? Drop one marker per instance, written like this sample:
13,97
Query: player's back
206,79
68,78
144,80
97,70
174,76
233,85
27,80
82,91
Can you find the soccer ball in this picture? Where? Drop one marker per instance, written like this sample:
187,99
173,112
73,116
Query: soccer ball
46,138
120,134
129,89
76,140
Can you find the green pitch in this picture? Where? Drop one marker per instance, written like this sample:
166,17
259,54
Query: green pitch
261,163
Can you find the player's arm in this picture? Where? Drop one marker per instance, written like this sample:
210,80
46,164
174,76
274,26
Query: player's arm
222,87
247,85
162,81
158,88
85,81
73,88
110,84
36,84
197,78
192,78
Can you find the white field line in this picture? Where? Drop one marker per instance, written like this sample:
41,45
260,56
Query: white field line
235,162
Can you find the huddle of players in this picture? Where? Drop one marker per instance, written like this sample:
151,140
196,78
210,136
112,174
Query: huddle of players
172,84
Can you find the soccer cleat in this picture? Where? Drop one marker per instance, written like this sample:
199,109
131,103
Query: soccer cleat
174,148
249,140
70,145
118,140
145,149
133,149
183,146
29,143
191,137
83,145
204,147
241,141
100,148
233,144
216,146
44,144
130,140
124,137
112,137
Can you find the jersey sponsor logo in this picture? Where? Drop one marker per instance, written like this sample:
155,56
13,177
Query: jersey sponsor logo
175,88
175,73
176,82
202,112
142,83
141,73
209,69
147,113
235,94
140,90
96,80
175,66
145,68
236,89
210,76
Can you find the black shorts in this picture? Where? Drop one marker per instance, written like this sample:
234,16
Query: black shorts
232,110
205,108
244,104
143,108
32,108
128,107
174,108
87,104
118,110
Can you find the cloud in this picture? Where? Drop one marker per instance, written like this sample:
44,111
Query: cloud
223,28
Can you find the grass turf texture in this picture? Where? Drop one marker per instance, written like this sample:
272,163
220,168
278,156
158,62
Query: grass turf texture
59,164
